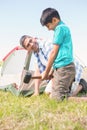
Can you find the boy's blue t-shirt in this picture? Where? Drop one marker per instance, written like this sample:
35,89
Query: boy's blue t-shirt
62,37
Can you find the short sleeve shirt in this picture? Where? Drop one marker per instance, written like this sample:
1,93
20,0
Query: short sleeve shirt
62,37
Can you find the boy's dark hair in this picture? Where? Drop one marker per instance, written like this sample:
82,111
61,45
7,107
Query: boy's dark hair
22,39
47,16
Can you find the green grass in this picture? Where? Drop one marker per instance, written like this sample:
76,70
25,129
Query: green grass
41,113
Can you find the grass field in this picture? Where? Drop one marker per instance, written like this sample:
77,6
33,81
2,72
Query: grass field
41,113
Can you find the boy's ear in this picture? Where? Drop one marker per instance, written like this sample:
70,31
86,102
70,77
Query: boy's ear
55,20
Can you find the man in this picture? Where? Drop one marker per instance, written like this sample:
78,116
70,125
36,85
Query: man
41,49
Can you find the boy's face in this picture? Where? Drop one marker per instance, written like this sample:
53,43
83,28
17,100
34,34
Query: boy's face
53,24
50,26
30,44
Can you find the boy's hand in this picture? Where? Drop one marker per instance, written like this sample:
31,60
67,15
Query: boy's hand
50,76
45,76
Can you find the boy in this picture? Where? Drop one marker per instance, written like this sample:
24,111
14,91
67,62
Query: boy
61,55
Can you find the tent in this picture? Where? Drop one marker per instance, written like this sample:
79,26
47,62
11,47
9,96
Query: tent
13,69
12,66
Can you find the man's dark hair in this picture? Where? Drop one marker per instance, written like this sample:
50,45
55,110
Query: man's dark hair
47,16
22,39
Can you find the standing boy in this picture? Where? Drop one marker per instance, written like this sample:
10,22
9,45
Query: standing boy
61,55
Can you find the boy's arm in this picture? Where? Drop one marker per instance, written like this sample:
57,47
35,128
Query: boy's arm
51,59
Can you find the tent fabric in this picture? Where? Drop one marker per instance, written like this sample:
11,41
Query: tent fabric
13,61
12,66
13,71
17,92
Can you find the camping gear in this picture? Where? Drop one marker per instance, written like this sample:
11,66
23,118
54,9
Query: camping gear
16,64
12,66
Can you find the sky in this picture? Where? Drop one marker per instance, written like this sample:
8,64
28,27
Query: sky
21,17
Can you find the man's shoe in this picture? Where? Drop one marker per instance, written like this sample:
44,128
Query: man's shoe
84,85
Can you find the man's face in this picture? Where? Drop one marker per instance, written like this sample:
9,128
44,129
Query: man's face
30,44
